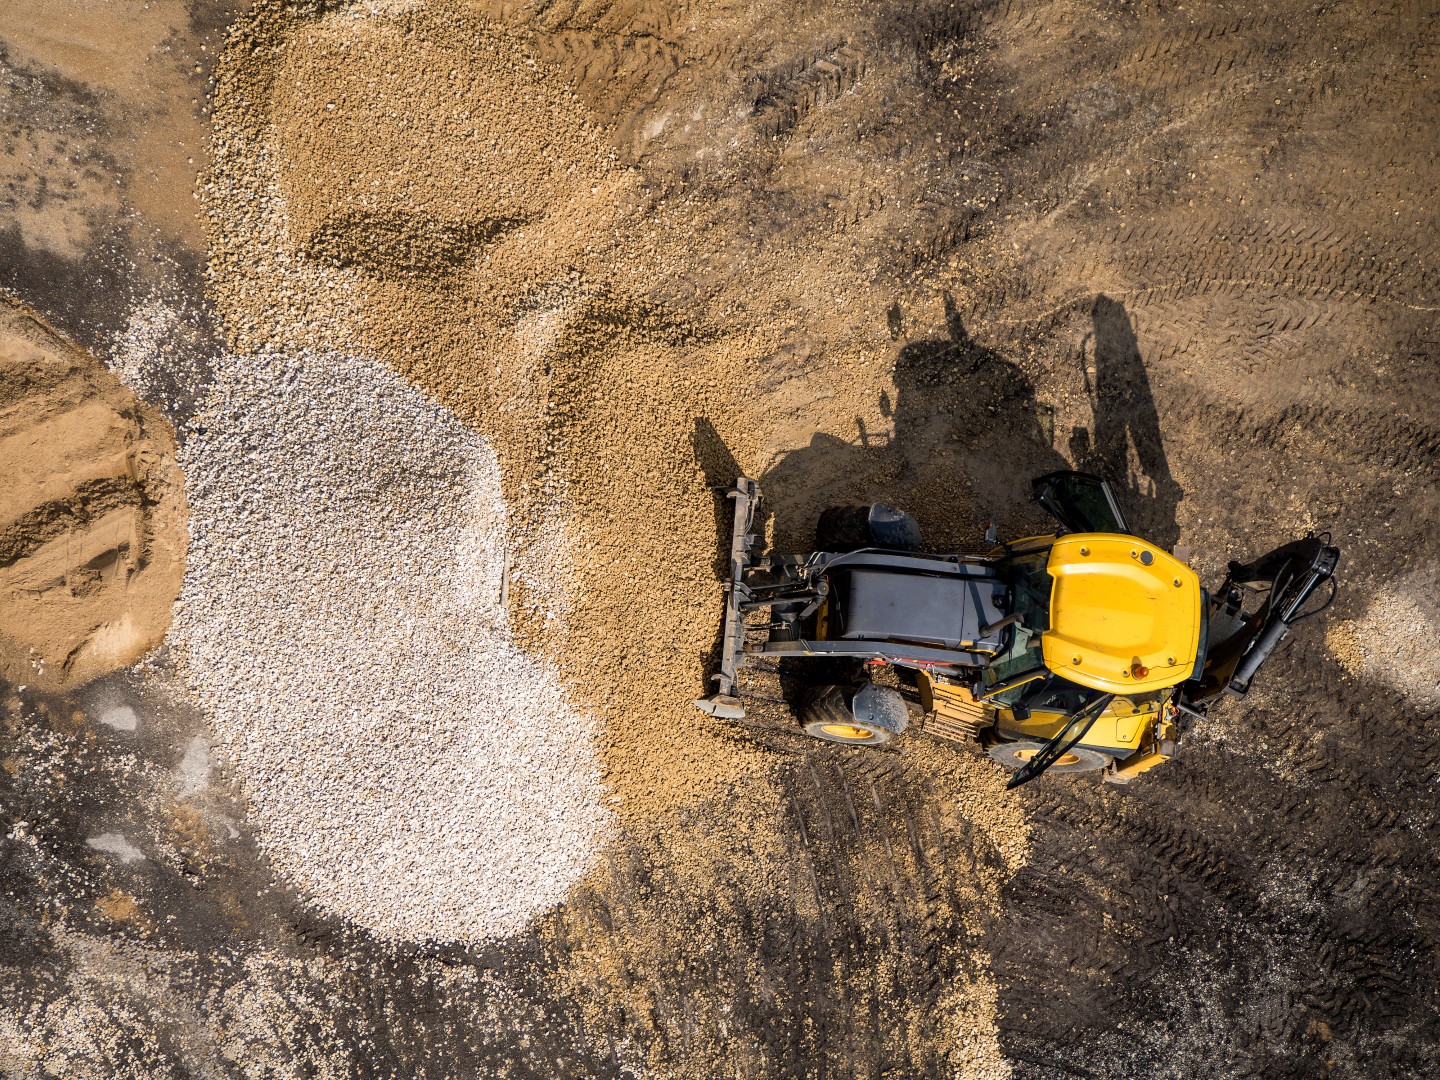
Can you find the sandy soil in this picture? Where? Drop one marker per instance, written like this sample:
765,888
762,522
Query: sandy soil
918,254
92,515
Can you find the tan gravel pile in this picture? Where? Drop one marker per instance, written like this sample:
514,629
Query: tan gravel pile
402,217
478,231
347,616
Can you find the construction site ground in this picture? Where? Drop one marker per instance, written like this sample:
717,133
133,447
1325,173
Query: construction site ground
381,281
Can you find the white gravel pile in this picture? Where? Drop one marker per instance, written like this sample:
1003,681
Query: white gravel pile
408,766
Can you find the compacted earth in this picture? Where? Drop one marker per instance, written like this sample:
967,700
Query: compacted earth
368,370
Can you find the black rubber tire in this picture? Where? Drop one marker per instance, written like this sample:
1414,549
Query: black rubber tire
843,528
828,714
847,528
1013,754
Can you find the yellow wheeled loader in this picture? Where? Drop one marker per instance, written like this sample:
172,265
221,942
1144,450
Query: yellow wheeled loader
1077,651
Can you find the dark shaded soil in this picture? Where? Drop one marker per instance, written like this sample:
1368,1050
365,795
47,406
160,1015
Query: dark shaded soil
1191,249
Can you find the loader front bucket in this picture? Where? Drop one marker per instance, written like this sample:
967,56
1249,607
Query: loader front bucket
724,703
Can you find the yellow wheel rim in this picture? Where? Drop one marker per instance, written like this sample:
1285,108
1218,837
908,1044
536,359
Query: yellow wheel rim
1064,759
847,731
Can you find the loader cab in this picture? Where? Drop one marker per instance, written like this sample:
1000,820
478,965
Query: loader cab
1105,623
1092,613
1123,616
1111,613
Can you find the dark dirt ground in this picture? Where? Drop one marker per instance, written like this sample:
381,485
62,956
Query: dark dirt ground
1210,252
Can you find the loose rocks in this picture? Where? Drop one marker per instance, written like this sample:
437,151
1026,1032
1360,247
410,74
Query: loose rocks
407,765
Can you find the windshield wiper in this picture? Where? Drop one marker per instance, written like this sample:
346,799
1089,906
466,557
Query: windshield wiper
1060,745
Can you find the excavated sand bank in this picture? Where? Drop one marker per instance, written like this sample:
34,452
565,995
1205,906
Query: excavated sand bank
92,513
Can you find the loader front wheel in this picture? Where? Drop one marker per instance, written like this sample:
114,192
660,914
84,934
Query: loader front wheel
849,528
868,716
1077,759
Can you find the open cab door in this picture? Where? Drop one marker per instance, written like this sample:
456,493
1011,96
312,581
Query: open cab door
1082,503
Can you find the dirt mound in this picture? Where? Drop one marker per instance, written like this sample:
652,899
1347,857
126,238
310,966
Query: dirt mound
541,309
92,512
538,335
498,250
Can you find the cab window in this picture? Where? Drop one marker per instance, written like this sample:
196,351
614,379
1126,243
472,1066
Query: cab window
1030,586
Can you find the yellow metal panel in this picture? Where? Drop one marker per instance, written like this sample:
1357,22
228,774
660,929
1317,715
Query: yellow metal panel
1111,731
1133,767
1124,614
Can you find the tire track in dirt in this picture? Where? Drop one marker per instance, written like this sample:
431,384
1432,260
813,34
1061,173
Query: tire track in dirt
1315,260
858,960
1256,909
783,97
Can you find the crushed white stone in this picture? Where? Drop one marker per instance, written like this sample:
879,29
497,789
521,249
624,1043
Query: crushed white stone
408,766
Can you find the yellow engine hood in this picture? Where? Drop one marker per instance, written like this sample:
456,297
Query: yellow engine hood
1119,602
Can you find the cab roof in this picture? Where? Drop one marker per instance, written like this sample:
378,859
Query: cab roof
1125,615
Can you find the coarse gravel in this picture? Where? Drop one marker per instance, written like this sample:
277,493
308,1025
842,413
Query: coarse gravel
407,765
522,310
474,249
